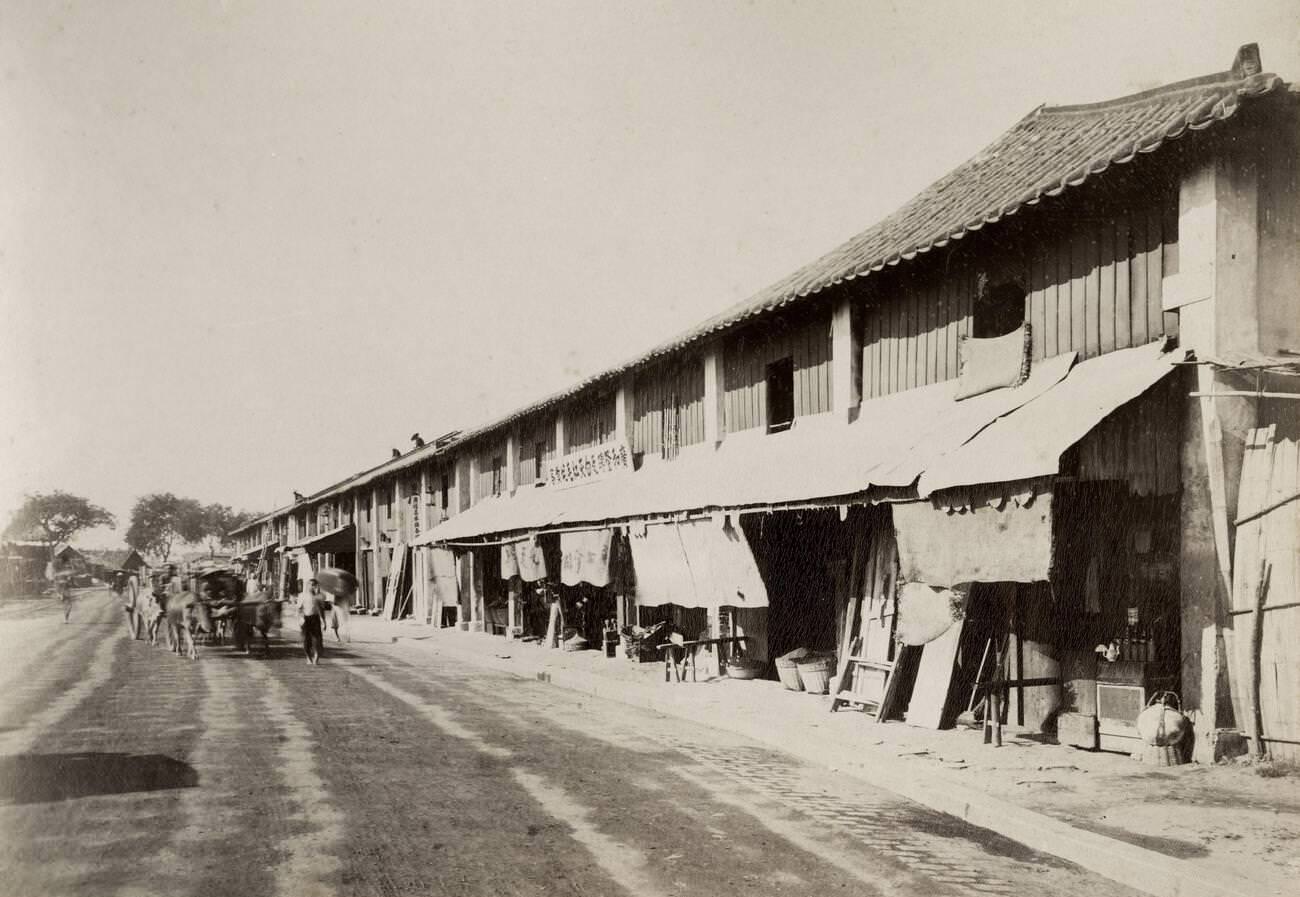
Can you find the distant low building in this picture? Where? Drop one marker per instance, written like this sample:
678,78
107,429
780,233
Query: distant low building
22,568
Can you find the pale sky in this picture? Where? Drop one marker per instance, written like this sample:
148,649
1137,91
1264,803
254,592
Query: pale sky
248,247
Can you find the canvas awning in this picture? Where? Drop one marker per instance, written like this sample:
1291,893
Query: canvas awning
340,539
1030,442
923,438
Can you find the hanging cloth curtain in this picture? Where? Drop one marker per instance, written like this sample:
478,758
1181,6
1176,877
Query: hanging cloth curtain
509,560
722,565
585,557
442,574
530,560
663,575
979,544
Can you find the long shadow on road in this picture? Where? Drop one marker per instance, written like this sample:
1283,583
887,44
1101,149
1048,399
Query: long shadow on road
42,778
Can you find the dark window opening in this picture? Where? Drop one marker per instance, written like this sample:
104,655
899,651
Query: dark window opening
446,491
539,459
998,310
498,475
780,395
671,435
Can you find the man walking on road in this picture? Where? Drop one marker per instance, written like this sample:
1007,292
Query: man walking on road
124,588
64,585
309,609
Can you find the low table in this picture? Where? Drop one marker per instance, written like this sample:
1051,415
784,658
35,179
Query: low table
676,666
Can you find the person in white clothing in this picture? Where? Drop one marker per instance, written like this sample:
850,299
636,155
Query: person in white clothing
310,604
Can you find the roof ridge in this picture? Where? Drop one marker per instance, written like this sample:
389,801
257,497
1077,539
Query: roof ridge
1164,90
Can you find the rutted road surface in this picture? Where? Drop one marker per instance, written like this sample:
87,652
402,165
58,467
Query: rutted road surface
387,770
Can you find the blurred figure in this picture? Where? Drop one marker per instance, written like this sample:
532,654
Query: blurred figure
124,589
310,605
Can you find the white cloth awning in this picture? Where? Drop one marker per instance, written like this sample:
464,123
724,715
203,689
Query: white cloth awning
922,437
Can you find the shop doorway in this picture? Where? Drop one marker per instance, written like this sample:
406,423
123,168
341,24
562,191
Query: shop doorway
801,556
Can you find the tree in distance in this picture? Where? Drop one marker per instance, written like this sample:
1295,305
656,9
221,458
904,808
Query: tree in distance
56,517
160,520
218,521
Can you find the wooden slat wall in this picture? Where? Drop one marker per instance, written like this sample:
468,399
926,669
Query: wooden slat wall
1092,287
1139,443
590,422
652,392
745,360
911,339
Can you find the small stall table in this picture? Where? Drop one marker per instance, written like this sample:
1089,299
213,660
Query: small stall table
679,657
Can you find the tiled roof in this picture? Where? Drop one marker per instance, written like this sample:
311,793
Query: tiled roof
1047,152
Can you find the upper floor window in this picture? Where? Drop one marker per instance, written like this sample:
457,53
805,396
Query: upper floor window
999,309
780,395
498,475
671,437
539,458
446,491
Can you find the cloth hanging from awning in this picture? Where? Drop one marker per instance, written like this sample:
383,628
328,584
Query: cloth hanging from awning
530,559
722,565
442,575
659,565
585,557
695,563
946,548
509,561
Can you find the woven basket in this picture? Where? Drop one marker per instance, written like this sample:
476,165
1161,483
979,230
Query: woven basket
816,675
788,673
745,669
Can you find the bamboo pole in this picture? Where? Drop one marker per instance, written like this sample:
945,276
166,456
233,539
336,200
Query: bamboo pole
1256,646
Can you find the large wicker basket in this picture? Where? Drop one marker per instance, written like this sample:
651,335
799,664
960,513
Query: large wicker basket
815,674
788,672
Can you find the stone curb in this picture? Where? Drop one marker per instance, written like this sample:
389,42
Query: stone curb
1135,867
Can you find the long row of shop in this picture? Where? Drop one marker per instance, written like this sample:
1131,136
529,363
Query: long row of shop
967,445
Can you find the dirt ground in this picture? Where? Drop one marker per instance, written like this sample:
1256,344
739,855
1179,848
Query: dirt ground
388,770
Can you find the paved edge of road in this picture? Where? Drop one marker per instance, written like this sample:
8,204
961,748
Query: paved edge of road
1127,864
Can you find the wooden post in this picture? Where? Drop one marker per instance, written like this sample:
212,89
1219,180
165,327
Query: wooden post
376,597
475,592
846,362
512,608
715,423
561,436
624,413
1256,645
512,462
422,506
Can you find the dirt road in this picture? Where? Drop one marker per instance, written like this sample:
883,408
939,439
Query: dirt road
386,770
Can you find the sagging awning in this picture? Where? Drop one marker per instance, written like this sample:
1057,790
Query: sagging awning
923,439
340,539
1030,442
